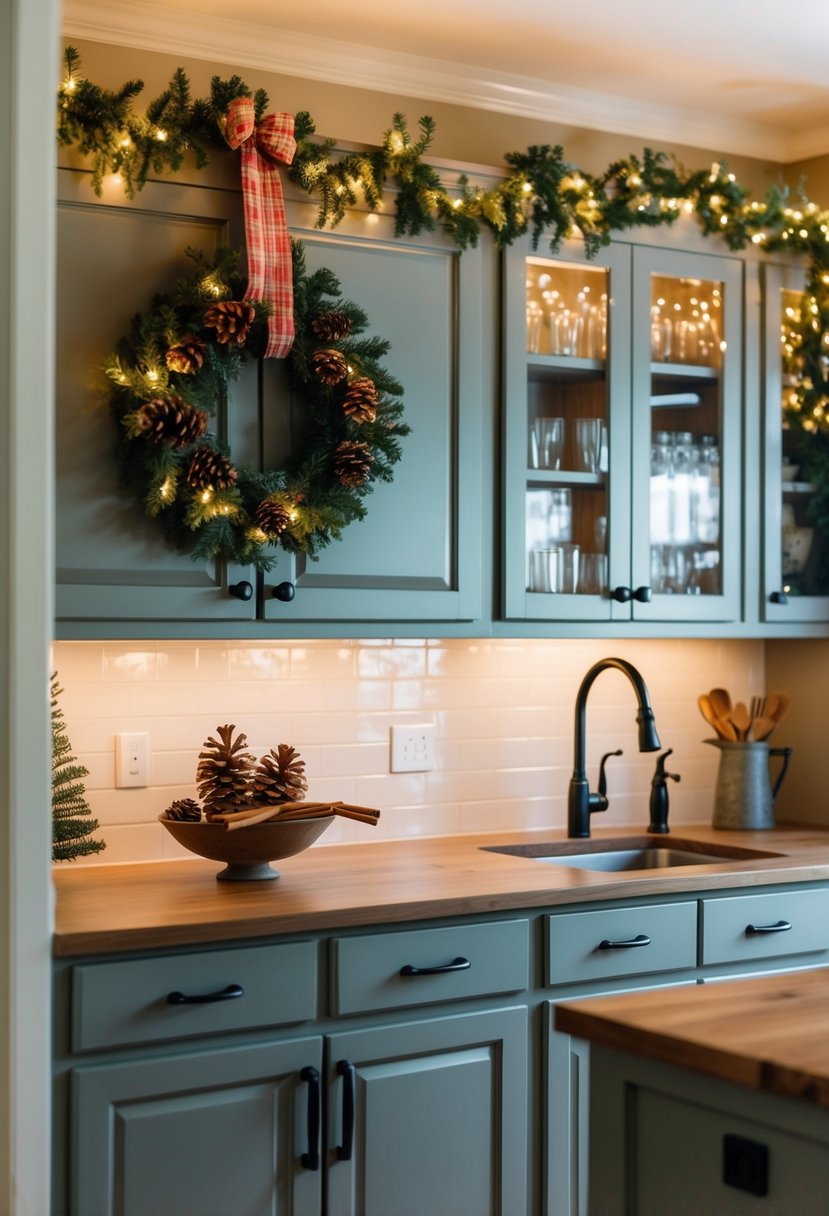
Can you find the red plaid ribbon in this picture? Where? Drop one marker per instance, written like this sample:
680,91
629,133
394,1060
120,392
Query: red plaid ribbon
264,145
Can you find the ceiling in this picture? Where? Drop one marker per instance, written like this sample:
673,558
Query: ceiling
738,76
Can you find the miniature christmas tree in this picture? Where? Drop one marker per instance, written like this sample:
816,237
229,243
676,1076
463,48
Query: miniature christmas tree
72,822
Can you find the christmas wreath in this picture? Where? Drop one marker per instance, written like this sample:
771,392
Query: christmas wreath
172,373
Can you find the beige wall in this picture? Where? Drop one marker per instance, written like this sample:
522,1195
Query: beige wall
362,115
801,668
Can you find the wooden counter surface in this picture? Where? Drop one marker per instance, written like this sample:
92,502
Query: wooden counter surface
108,908
770,1033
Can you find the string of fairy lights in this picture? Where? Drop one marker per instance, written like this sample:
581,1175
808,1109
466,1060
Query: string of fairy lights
541,193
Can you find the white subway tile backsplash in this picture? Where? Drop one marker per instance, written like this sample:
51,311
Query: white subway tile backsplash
503,712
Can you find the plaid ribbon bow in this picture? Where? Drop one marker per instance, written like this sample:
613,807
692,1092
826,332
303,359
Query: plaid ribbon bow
264,145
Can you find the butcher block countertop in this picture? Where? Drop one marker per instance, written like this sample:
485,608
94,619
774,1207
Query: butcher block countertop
770,1033
110,908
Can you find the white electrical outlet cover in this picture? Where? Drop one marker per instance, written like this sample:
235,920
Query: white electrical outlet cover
132,760
413,748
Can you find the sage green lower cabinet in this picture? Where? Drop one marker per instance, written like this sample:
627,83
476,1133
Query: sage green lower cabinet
439,1124
213,1133
658,1136
443,1088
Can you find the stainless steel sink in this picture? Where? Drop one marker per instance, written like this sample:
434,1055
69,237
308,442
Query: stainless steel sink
630,854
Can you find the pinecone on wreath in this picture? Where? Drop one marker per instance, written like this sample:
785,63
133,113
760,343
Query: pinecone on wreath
187,357
223,774
280,776
352,463
232,320
360,402
330,366
333,326
209,469
272,517
185,810
171,420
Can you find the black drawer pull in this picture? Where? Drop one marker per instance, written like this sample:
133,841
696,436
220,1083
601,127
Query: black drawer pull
457,964
780,927
347,1071
311,1159
227,994
641,939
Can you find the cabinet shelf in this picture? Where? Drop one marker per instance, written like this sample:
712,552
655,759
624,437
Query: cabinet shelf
686,374
541,478
562,368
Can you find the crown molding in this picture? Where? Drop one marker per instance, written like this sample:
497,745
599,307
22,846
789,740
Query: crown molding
153,27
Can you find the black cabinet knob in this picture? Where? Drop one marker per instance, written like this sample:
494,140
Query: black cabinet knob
622,595
284,591
241,591
779,597
642,595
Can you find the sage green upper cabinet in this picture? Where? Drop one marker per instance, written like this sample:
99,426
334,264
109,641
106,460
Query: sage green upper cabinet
622,435
795,562
113,255
418,554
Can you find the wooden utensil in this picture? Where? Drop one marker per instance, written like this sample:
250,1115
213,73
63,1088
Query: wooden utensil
724,729
741,720
778,706
720,703
761,728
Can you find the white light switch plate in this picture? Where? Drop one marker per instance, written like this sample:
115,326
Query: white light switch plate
132,760
413,748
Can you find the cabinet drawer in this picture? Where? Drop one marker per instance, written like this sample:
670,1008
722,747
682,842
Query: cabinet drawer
387,970
114,1004
764,926
584,946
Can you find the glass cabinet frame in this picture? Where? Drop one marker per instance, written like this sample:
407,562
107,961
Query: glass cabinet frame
778,605
627,372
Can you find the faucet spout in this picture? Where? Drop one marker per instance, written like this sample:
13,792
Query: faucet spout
581,803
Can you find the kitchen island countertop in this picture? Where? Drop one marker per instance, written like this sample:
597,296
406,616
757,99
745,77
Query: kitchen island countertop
768,1033
107,908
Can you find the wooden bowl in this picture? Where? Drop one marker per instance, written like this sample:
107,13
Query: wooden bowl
246,851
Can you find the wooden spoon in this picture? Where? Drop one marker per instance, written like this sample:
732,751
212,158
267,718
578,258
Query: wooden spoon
761,728
778,706
741,720
720,703
724,729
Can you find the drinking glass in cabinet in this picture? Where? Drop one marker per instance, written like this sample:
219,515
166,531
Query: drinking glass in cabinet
566,308
686,321
593,574
546,443
684,513
588,435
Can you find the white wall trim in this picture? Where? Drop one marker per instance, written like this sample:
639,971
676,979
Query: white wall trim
151,26
29,30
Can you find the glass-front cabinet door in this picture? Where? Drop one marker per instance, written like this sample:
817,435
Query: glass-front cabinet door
686,450
795,573
622,436
567,432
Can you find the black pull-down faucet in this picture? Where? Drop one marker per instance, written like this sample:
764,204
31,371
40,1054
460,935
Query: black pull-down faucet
581,803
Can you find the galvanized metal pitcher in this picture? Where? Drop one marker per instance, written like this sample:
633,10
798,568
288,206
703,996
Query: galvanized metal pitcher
744,795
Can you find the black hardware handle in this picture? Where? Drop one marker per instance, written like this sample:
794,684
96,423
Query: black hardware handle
641,939
458,964
347,1071
781,926
284,591
231,993
311,1159
779,597
622,595
642,595
602,777
241,591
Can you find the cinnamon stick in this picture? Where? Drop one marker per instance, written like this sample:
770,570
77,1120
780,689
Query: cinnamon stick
242,819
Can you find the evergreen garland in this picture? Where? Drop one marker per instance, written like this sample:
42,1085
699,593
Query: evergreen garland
72,822
542,194
231,512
